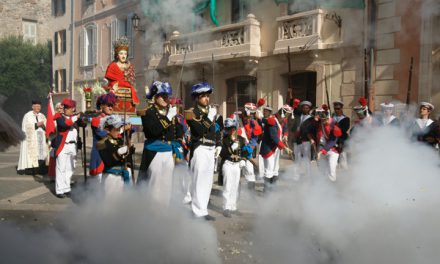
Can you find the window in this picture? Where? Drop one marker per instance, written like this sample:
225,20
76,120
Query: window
60,42
120,27
58,7
60,81
241,90
88,43
239,10
299,6
30,31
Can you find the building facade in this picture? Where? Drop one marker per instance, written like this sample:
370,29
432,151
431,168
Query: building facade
27,18
272,49
62,48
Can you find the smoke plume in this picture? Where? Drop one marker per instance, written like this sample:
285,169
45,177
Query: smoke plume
382,210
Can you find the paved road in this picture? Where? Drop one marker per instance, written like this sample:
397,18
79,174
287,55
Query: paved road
29,201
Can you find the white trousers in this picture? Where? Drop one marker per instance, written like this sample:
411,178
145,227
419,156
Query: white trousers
160,177
113,183
65,165
248,171
269,166
303,157
231,181
327,164
202,169
276,168
343,160
185,180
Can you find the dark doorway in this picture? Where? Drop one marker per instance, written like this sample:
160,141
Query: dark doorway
241,90
304,86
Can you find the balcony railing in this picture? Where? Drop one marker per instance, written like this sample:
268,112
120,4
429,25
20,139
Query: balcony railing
311,30
226,42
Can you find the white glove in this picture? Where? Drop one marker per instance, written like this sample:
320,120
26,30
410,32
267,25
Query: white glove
122,150
234,146
212,112
217,151
172,112
74,118
242,164
258,114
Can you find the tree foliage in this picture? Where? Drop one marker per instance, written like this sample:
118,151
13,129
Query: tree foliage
25,71
24,67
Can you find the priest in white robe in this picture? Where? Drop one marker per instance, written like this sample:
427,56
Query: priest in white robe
33,149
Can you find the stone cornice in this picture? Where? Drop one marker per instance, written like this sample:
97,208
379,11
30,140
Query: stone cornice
106,12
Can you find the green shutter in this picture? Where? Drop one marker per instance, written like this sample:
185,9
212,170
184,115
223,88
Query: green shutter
357,4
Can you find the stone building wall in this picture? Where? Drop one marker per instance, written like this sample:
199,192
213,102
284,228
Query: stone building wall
12,14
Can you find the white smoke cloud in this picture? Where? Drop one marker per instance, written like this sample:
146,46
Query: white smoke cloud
129,228
382,210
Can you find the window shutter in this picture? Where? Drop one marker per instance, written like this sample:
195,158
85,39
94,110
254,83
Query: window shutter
55,42
63,41
130,36
57,87
63,81
63,7
82,47
114,31
94,44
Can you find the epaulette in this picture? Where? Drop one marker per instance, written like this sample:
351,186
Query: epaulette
271,121
100,145
189,114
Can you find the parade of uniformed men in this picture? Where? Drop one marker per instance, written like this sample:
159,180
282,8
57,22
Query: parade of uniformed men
203,131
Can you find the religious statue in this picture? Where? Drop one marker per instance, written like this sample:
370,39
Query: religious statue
121,77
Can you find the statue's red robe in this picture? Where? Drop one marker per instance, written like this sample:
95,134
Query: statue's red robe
115,75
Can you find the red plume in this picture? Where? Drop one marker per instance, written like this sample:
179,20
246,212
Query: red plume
363,101
296,102
325,107
261,102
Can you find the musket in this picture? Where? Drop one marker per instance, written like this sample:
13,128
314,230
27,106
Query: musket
289,79
181,75
327,94
408,92
366,92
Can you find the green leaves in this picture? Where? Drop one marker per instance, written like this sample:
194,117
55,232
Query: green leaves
24,68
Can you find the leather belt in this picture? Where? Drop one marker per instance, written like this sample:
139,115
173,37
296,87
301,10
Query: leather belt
207,141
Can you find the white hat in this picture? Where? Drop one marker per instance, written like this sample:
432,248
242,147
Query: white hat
111,121
266,107
428,105
305,103
387,105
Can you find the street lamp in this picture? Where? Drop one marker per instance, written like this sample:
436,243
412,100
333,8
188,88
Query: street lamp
135,22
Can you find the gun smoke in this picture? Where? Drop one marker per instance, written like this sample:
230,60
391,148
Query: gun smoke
381,210
125,228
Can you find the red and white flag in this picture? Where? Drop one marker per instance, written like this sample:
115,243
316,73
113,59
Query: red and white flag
50,122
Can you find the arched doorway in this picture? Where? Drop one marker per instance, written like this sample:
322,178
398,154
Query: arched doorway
241,90
304,86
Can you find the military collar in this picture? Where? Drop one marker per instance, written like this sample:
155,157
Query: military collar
160,111
203,109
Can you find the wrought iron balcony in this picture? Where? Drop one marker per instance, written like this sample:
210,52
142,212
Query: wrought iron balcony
226,42
311,30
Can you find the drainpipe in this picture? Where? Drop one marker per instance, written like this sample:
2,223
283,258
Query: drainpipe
72,33
371,46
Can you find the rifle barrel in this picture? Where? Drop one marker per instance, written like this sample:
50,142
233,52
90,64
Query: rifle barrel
408,94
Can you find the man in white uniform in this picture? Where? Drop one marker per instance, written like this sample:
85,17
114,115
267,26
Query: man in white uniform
65,145
205,146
